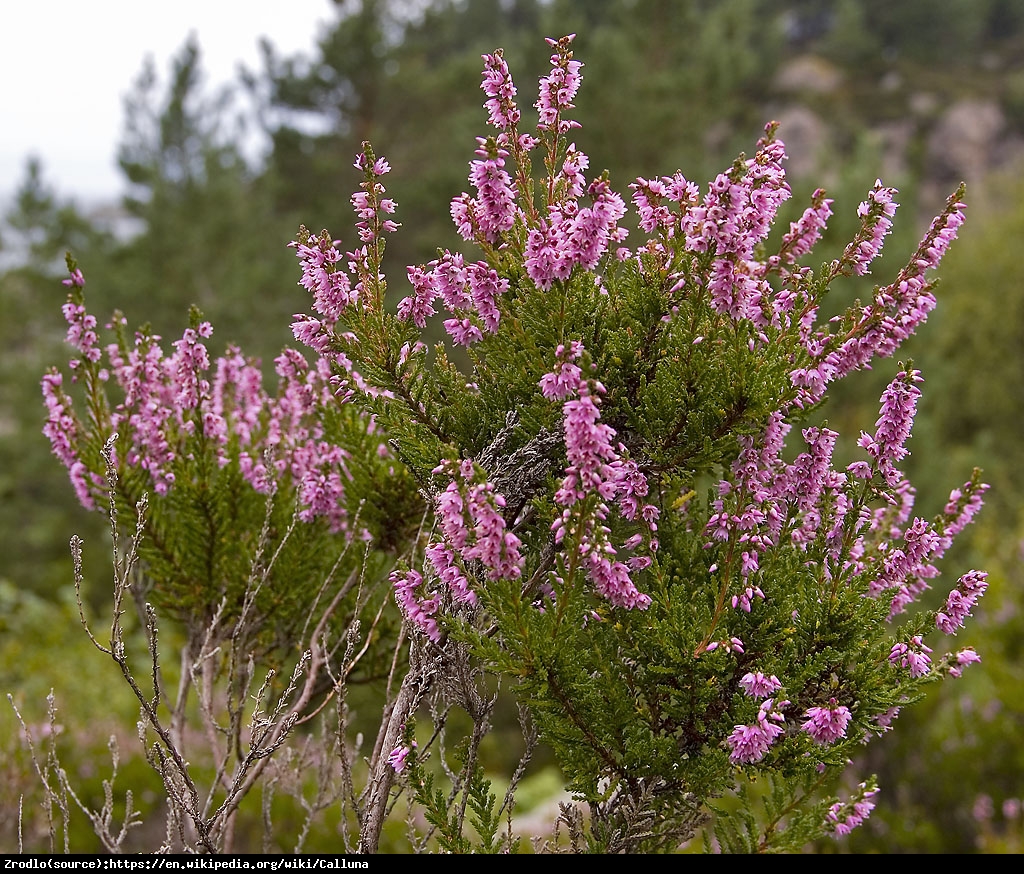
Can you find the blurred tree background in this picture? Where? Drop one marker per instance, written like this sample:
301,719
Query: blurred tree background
922,93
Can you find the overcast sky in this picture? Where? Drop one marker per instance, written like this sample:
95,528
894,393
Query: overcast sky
66,65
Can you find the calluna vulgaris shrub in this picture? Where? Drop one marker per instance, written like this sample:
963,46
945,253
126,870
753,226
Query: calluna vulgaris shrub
604,504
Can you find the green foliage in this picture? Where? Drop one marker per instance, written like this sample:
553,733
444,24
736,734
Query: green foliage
447,814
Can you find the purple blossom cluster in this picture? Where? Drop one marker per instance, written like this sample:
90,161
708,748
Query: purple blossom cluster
827,724
845,817
894,314
767,499
62,430
822,509
597,473
558,89
469,513
398,758
368,202
904,554
81,334
495,200
501,93
757,685
750,743
960,601
913,656
876,222
962,659
734,217
168,401
329,284
887,446
565,235
469,292
662,204
804,233
75,278
416,603
336,289
572,236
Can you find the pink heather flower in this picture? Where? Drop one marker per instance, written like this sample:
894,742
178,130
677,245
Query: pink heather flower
962,507
751,508
418,307
368,202
876,221
189,362
885,720
546,261
494,205
311,332
654,200
827,724
451,513
75,280
964,658
418,610
462,214
497,85
448,570
559,87
451,280
591,230
750,743
906,569
844,818
896,310
493,546
743,601
167,399
735,216
733,644
398,757
484,287
913,656
649,198
565,379
612,580
81,334
595,468
757,685
806,231
942,232
320,470
969,588
324,279
469,511
899,406
588,446
572,170
463,331
61,429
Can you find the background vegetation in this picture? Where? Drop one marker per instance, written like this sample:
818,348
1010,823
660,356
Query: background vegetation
922,93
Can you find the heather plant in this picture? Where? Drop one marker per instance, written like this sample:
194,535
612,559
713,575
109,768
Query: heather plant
588,495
